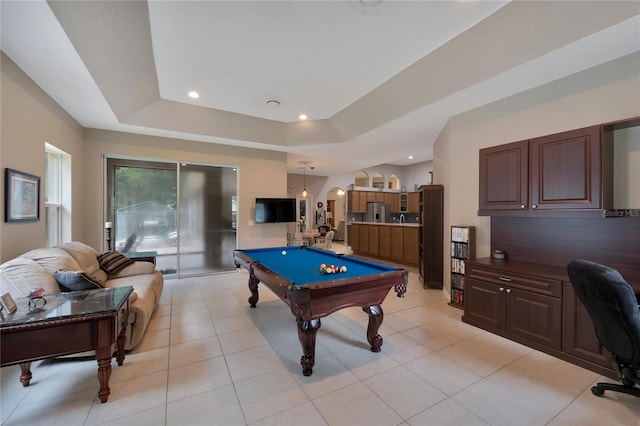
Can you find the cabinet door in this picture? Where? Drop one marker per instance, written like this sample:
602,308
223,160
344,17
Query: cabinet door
353,237
534,317
413,202
373,240
410,243
578,334
566,170
362,202
397,243
484,304
353,201
504,177
390,201
384,241
379,197
396,203
371,196
364,239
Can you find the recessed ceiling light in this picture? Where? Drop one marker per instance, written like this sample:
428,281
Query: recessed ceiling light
194,95
411,157
302,116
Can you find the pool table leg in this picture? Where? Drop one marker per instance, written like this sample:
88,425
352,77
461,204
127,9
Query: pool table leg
375,321
253,288
307,334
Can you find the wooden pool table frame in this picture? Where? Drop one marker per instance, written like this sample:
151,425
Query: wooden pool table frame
310,302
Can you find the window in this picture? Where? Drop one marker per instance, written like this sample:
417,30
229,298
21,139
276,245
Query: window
57,193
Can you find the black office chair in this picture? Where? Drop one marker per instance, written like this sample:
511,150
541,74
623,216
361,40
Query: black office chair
613,308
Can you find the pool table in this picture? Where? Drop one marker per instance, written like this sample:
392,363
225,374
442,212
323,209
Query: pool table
293,273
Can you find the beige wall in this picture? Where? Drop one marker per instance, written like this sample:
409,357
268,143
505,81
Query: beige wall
260,174
29,118
607,93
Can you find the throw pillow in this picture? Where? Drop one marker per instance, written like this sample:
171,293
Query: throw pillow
112,261
75,280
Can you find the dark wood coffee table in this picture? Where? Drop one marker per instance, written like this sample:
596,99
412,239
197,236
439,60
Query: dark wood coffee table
68,323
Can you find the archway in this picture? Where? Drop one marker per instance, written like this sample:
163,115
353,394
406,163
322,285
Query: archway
336,211
394,182
361,179
378,180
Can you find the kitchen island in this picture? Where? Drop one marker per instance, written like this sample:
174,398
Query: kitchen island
396,242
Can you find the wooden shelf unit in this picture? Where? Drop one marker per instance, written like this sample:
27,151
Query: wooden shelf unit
462,249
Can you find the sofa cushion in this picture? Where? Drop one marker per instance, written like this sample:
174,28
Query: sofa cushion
18,276
76,280
85,255
111,262
52,259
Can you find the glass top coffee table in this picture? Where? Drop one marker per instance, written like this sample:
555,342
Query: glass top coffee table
67,323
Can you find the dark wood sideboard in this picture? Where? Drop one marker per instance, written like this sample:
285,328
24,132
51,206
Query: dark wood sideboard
528,297
548,199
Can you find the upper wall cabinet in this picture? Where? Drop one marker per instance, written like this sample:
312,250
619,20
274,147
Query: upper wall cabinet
565,173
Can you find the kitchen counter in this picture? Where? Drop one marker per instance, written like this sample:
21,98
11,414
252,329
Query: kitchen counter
411,225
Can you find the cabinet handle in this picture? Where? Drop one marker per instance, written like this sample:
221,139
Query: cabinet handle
501,288
508,290
523,206
505,279
534,206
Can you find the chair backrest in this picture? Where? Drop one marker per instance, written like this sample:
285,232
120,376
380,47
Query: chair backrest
128,245
612,306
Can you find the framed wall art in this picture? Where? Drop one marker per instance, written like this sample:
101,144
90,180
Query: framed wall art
21,196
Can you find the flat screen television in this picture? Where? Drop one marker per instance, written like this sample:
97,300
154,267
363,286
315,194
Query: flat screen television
275,210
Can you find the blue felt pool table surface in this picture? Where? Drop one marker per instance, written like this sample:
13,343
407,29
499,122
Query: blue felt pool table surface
301,265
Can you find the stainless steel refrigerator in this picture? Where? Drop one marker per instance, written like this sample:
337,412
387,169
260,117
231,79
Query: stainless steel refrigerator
376,212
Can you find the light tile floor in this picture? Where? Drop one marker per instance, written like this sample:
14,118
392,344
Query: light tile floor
208,359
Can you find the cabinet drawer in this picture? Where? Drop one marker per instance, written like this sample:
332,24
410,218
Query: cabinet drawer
538,285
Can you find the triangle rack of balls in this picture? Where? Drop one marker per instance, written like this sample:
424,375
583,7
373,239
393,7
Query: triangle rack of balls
332,269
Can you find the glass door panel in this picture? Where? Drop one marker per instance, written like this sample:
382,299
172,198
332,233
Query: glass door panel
194,233
207,208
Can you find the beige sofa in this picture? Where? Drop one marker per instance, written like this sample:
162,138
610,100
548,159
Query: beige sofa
38,267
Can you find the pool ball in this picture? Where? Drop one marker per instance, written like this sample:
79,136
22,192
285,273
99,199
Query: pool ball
284,252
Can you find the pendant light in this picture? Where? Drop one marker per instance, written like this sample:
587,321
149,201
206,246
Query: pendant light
304,181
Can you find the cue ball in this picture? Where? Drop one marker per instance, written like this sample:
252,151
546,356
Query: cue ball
284,252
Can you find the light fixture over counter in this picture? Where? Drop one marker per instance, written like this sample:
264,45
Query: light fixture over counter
304,179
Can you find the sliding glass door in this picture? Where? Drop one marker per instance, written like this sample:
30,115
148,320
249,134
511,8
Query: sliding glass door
182,213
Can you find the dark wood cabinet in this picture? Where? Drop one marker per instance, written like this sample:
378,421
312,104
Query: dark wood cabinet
431,236
578,334
526,308
504,177
570,171
533,304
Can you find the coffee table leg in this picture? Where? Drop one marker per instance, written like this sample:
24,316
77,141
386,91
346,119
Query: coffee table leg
25,377
104,374
120,344
375,321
